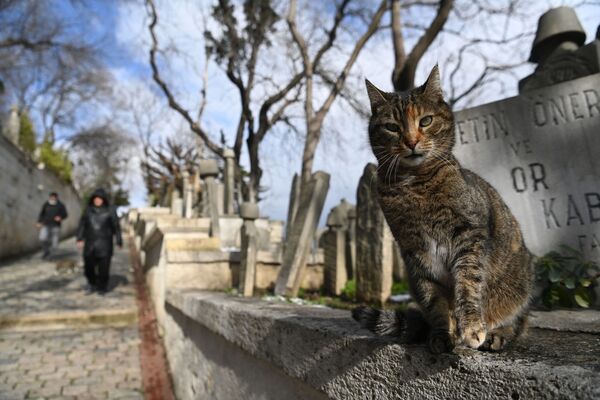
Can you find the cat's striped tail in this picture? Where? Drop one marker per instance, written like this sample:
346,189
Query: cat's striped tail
409,325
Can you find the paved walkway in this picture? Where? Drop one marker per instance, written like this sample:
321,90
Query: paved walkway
58,343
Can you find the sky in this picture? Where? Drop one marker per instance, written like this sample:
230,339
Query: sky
343,151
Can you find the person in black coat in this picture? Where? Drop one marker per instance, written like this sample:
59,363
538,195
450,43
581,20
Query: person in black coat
51,215
98,226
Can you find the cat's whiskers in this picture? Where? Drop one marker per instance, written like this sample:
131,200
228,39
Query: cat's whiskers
441,156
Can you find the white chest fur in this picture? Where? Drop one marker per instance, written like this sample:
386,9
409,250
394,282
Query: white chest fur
437,261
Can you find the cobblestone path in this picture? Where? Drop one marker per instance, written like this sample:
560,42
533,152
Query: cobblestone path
58,343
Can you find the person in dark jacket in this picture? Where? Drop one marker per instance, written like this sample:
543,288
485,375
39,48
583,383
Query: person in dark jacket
98,226
49,221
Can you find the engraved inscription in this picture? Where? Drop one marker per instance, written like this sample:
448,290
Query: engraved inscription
481,128
567,108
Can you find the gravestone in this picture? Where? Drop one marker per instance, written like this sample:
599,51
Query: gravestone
209,170
557,49
540,151
249,249
229,179
334,247
374,243
351,244
176,203
188,196
399,268
302,232
293,204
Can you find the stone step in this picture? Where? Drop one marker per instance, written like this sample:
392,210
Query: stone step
51,320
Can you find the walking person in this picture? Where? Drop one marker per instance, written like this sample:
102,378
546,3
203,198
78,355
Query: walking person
98,228
52,214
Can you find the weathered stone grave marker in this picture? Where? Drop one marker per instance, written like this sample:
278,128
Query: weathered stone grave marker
176,203
540,151
188,196
302,231
249,249
374,243
293,204
351,244
229,179
208,171
334,246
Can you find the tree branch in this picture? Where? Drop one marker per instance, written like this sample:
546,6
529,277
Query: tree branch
405,79
194,126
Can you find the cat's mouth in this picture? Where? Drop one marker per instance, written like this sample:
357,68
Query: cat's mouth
413,159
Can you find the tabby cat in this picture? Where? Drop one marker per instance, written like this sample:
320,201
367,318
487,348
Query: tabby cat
468,269
65,266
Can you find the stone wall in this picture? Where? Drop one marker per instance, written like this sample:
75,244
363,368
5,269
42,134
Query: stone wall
23,190
226,347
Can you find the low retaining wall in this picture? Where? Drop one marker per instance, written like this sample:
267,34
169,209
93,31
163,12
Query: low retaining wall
24,189
228,347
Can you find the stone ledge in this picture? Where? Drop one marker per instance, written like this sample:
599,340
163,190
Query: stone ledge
325,349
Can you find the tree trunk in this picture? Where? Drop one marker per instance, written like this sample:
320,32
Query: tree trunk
255,170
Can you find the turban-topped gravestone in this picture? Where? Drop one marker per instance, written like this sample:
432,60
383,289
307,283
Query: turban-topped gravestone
541,151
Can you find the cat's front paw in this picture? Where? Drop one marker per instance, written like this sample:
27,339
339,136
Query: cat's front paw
473,335
439,341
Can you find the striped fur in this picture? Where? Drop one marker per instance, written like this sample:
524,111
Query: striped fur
469,270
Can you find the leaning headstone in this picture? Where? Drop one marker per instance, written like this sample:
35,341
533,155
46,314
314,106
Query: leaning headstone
293,204
302,232
249,212
229,179
334,246
374,243
209,170
540,151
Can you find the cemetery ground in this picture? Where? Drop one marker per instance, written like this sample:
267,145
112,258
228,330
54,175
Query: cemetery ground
58,342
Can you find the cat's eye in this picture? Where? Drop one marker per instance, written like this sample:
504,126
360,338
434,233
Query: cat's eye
425,121
392,127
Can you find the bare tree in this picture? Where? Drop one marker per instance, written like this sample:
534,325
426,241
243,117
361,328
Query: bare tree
237,47
193,122
45,65
313,62
476,48
163,166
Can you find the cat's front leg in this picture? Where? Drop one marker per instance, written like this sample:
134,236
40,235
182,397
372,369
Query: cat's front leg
468,286
433,299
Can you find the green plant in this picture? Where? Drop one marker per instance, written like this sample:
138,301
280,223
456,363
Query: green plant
26,133
349,290
57,161
567,279
400,287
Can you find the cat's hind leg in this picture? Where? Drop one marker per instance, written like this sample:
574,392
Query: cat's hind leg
498,338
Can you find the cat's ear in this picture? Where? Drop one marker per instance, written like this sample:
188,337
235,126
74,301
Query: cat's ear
433,86
376,96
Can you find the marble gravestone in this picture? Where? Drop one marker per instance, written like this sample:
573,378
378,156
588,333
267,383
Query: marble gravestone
541,151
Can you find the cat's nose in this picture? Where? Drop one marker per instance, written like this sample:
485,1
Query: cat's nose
411,144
